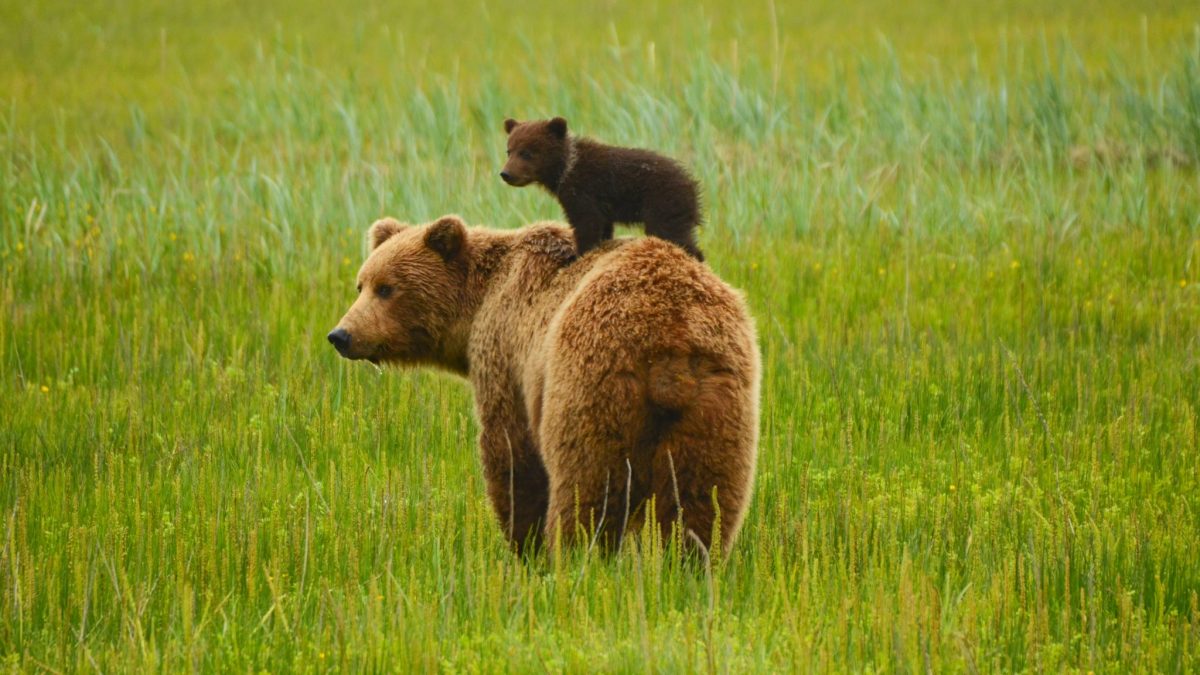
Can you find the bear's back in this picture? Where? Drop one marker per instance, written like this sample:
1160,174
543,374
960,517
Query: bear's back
646,296
626,297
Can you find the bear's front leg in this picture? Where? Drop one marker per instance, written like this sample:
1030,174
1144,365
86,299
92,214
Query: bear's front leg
517,484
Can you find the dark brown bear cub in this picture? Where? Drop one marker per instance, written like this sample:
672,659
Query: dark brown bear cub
599,185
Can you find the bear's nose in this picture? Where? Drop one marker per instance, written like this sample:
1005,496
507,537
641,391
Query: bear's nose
339,338
508,178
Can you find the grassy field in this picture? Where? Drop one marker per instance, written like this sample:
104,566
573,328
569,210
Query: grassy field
970,236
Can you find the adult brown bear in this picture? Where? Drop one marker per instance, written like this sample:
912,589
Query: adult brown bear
630,374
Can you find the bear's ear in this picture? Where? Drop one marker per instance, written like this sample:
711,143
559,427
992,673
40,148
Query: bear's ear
509,125
558,127
382,230
447,236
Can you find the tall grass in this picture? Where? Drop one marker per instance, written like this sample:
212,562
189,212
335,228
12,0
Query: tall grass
971,248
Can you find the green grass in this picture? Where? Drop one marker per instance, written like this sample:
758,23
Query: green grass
970,237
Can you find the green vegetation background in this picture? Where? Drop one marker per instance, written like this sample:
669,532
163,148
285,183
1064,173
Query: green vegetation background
969,232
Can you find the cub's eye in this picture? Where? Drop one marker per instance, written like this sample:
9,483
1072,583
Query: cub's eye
384,292
526,155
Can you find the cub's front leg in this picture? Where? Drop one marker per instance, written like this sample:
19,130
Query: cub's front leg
588,220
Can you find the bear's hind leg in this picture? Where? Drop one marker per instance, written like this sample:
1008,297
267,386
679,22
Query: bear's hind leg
598,471
703,466
601,505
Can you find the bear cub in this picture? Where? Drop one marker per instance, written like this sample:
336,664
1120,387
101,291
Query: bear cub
599,185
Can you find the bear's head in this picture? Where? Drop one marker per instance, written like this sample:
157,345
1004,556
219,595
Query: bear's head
537,152
412,304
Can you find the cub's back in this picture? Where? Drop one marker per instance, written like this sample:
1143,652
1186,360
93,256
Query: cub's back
615,175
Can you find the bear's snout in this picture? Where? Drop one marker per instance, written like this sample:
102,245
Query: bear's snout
508,177
340,339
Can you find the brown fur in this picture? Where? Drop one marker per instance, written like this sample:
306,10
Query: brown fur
634,365
599,185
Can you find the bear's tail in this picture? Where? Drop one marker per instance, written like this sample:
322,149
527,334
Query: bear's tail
680,381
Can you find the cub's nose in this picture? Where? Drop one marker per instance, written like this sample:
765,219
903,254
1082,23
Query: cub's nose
340,339
508,177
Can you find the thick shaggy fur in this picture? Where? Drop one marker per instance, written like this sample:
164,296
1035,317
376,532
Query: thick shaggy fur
599,185
634,366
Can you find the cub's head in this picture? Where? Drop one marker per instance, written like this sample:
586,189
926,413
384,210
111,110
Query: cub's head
411,304
537,152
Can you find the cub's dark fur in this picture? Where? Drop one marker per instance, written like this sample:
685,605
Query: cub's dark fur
599,185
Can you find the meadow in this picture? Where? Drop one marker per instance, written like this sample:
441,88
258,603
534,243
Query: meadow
969,235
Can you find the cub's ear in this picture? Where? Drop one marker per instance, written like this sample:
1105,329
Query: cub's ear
558,127
382,230
509,125
447,236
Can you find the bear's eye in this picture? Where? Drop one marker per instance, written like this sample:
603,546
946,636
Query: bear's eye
525,155
384,292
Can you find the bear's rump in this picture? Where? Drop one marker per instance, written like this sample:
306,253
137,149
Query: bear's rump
646,376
